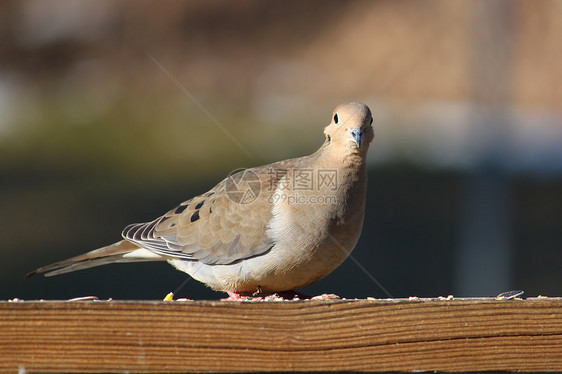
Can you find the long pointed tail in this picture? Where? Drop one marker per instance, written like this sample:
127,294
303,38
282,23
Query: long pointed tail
122,251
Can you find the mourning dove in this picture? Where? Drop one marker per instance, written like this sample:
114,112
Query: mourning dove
271,228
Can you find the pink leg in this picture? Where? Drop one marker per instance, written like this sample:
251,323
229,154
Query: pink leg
233,296
284,295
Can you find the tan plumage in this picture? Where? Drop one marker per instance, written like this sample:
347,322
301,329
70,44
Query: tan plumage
275,227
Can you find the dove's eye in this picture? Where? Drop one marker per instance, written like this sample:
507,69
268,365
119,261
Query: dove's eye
336,119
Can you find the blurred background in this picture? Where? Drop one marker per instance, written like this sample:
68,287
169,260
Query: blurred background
114,112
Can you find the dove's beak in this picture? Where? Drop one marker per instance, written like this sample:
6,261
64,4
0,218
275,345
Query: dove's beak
356,134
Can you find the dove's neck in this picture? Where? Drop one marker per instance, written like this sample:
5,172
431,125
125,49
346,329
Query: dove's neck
351,170
342,158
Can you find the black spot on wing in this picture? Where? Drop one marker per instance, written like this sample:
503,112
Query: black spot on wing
180,209
199,205
195,216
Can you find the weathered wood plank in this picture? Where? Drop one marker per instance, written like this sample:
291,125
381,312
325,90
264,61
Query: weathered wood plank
362,335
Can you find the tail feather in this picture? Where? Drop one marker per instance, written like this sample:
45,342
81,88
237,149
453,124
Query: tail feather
122,251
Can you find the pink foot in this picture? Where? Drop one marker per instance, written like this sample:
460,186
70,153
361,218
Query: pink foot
233,296
279,296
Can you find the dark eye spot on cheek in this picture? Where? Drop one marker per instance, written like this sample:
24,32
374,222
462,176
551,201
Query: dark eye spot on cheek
195,216
180,209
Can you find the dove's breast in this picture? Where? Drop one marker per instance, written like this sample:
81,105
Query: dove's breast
314,237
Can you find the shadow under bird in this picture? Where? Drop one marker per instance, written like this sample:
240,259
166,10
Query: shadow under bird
272,228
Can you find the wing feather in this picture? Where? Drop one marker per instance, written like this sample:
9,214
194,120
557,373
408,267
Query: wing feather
214,228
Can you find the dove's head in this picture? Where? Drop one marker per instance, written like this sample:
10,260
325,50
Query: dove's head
351,127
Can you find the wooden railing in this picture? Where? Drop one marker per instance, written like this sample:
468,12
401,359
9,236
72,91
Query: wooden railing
323,335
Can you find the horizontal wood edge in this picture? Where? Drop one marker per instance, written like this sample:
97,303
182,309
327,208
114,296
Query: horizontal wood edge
475,334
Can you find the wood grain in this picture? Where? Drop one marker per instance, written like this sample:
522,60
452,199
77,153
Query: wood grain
360,335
